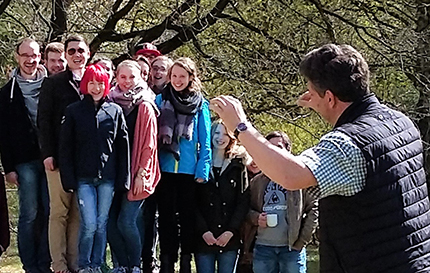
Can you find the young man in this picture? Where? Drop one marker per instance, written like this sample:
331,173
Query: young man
20,155
53,57
147,50
58,91
368,171
279,245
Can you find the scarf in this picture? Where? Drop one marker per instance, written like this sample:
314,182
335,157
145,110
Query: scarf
132,98
177,118
31,90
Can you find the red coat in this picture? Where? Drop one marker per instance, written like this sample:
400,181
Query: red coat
145,154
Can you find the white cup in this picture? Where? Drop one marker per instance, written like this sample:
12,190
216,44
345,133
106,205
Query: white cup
272,220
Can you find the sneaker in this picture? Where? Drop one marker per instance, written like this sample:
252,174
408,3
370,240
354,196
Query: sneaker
96,270
120,269
135,269
105,268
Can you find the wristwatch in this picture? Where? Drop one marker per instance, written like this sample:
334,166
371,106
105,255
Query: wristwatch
241,127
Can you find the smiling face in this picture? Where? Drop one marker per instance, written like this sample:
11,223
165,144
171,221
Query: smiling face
28,58
127,77
55,62
96,90
220,138
159,73
179,78
77,55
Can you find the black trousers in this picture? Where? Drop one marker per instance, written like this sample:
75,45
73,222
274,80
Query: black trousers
176,207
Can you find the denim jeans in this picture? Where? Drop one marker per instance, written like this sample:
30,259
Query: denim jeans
226,262
94,198
33,217
123,234
270,259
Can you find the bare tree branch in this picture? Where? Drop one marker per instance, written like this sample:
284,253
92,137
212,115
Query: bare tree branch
28,32
4,5
58,19
108,33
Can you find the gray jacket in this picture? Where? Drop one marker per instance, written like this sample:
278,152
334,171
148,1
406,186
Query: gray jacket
301,216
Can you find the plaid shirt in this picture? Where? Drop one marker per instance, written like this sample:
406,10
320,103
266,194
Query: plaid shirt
337,164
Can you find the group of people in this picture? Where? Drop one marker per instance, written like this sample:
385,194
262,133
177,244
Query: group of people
95,152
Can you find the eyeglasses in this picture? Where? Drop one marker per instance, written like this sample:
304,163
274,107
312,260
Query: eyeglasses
25,55
72,51
159,68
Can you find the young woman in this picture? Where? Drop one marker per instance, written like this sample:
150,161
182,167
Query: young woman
137,101
185,158
280,222
222,204
93,161
157,81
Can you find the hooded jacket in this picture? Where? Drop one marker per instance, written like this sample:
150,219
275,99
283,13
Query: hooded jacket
94,144
18,136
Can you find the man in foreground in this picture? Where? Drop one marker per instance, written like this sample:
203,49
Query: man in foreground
368,171
57,92
20,155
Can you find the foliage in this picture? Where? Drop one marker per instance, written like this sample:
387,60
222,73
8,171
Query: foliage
249,49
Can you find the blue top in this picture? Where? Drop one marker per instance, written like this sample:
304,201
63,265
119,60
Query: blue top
196,154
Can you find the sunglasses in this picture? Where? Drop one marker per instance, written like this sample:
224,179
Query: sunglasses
72,51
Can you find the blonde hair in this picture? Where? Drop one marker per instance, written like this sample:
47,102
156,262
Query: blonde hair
195,85
129,64
231,144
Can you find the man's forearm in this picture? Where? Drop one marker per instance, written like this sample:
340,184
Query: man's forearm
278,164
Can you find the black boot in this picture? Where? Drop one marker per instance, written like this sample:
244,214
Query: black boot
167,264
185,264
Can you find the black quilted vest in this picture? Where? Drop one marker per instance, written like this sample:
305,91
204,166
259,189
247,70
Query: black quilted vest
386,226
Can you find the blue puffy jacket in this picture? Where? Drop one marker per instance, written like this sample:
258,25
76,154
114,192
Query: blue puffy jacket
195,153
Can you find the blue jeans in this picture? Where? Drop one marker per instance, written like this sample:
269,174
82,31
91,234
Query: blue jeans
270,259
33,217
95,199
123,234
226,261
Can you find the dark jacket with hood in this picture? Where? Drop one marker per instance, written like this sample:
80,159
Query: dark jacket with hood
222,205
18,136
57,92
94,144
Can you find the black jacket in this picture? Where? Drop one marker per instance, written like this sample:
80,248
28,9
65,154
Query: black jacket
57,92
94,144
386,226
222,206
18,136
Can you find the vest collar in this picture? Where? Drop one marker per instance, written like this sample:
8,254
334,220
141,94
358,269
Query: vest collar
356,109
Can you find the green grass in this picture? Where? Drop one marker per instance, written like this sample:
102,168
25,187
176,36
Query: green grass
10,262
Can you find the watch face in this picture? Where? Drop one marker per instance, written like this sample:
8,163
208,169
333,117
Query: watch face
242,127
